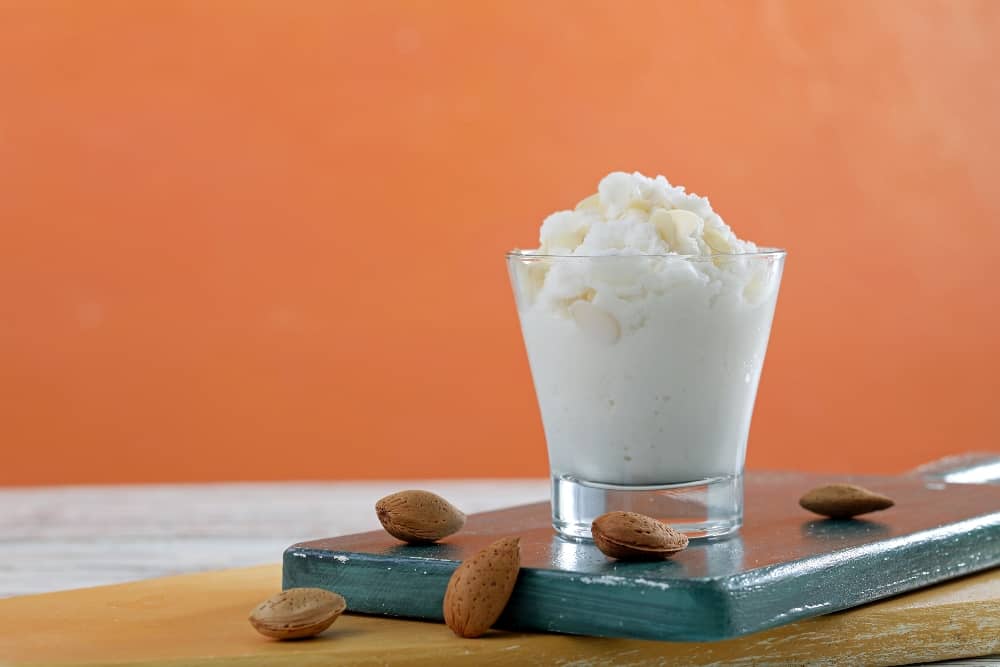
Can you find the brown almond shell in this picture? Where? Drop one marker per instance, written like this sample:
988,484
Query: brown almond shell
634,536
418,517
480,587
843,501
297,613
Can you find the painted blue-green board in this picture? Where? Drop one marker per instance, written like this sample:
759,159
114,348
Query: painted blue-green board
784,565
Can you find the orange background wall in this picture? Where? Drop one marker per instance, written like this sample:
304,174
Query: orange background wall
263,240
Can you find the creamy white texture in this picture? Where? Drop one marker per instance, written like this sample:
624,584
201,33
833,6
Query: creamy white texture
635,214
646,322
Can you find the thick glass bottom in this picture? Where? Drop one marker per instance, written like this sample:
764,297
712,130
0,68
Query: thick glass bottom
703,508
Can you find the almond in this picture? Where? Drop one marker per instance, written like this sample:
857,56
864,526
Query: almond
297,613
418,517
479,589
842,501
633,536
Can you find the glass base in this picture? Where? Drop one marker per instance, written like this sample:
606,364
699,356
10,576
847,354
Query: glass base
704,508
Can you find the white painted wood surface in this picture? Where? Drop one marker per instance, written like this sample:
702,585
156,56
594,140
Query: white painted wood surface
55,538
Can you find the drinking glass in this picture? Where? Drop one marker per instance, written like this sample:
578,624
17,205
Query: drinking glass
646,369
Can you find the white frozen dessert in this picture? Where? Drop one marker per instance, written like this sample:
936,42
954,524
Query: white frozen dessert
645,321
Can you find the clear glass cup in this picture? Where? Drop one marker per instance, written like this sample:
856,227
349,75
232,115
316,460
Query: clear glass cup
646,369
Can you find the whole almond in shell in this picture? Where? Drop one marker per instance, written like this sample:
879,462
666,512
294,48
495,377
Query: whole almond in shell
418,517
633,536
842,501
479,589
297,613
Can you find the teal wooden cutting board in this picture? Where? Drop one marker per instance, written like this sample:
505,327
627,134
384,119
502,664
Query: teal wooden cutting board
784,565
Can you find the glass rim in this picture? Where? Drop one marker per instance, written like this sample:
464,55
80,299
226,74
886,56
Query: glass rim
518,253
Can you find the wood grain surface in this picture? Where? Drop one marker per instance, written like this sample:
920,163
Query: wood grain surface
201,619
784,566
54,538
66,537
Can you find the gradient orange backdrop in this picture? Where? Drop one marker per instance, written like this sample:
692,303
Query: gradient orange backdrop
264,240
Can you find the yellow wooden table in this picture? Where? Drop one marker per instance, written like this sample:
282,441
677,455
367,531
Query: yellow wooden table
200,619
